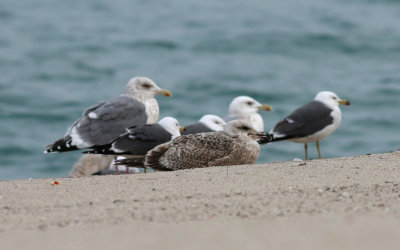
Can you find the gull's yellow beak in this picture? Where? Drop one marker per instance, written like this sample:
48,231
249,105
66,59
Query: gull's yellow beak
265,107
344,102
164,92
182,128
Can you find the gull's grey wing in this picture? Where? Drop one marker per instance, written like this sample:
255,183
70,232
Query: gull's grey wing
304,121
195,128
103,122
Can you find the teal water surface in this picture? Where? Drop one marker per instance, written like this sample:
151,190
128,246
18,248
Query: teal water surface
59,57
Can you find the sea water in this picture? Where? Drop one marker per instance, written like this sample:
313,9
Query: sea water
59,57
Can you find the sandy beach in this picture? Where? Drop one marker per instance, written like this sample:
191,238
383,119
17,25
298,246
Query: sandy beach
344,203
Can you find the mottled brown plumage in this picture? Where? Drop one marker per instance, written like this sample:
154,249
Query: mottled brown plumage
236,145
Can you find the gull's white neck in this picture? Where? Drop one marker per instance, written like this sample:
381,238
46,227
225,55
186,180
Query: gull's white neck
150,103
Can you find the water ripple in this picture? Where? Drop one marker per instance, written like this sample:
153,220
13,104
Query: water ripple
5,15
57,60
149,44
285,43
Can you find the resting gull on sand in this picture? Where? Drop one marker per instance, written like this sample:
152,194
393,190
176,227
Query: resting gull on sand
133,145
246,108
207,123
105,121
235,145
140,139
311,122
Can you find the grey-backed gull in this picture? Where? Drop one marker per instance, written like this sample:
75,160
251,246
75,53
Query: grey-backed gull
105,121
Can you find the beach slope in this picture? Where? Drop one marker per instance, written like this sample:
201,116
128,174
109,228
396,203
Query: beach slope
343,203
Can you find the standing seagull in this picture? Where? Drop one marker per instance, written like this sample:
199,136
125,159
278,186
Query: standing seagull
103,122
311,122
246,108
207,123
235,145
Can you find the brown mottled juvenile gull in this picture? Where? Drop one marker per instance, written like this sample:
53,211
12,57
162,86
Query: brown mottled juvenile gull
207,123
235,145
311,122
105,121
246,108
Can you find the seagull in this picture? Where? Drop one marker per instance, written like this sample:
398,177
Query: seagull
207,123
105,121
246,108
311,122
138,140
236,144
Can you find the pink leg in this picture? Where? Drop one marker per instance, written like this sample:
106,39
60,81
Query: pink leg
115,165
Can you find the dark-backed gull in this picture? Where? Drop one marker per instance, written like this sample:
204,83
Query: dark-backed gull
140,139
207,123
235,145
246,108
311,122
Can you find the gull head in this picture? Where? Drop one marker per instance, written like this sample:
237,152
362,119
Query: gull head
171,125
330,99
145,87
213,122
244,105
242,128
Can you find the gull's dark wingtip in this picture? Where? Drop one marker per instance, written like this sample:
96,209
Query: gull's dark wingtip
265,138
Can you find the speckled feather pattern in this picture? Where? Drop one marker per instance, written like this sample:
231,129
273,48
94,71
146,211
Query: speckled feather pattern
203,150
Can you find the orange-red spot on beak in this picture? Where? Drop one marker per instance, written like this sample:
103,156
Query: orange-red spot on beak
164,92
265,107
344,102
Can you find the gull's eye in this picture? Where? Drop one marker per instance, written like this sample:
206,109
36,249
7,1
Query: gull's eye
244,128
146,85
249,103
216,122
334,98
